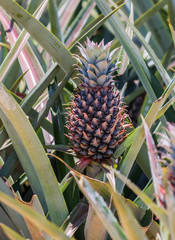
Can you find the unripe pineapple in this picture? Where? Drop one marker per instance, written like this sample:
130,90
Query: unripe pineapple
97,118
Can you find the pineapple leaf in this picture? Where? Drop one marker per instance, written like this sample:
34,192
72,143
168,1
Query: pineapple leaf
161,38
152,54
51,44
91,28
11,234
101,209
127,218
172,31
165,108
149,13
37,122
34,94
16,50
133,53
69,9
154,161
78,23
171,11
123,56
161,213
55,20
138,140
30,150
75,219
41,222
16,218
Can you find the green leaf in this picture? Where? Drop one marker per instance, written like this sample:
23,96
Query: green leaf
131,50
37,219
141,158
54,20
51,101
151,53
27,57
160,37
49,42
46,124
124,58
161,213
171,10
11,234
129,223
139,135
17,219
91,28
172,31
34,94
165,108
32,157
148,14
104,213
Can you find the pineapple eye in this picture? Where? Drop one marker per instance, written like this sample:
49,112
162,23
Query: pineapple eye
106,138
98,133
89,129
91,111
89,98
108,153
115,133
104,107
99,156
95,142
112,121
113,143
102,148
84,144
91,150
95,121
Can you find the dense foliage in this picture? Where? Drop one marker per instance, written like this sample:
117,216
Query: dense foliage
48,191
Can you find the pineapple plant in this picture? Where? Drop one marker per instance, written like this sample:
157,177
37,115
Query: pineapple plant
97,122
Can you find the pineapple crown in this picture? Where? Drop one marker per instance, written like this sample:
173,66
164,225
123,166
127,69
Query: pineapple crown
96,68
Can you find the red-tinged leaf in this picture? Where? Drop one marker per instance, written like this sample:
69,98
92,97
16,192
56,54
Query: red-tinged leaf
155,166
80,24
27,59
68,12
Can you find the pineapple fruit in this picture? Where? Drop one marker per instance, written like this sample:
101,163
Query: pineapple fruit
97,118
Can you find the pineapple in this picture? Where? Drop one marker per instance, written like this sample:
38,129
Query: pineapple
97,119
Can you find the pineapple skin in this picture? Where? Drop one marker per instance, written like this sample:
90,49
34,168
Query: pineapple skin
97,120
